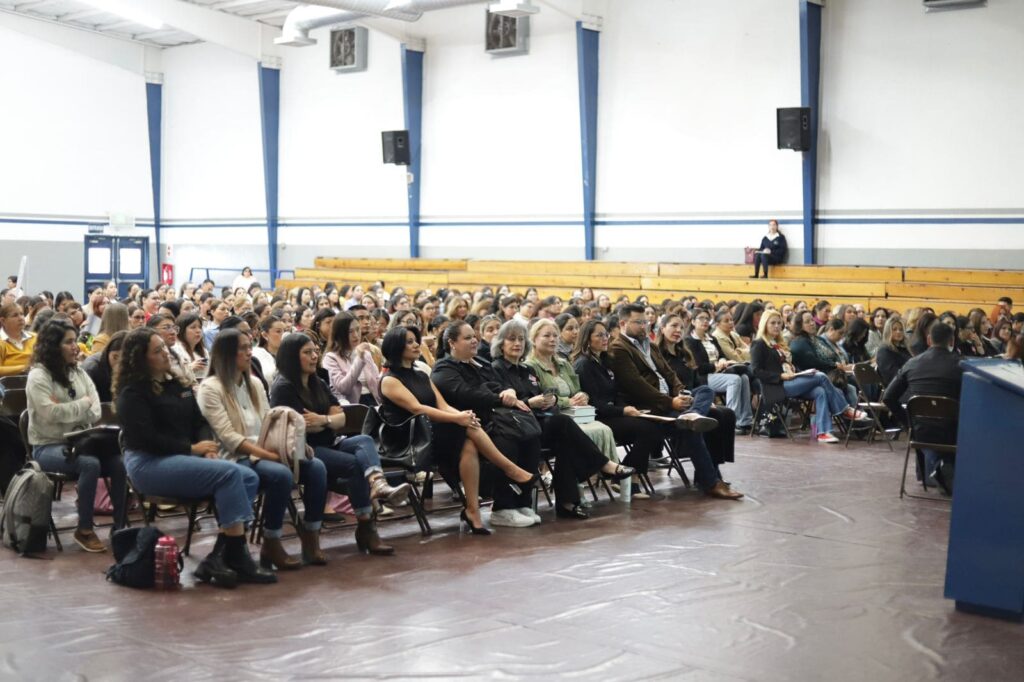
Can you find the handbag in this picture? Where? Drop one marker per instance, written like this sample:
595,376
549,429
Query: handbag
513,424
748,254
408,444
838,378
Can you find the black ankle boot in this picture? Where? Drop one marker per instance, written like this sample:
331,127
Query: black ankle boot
236,556
213,568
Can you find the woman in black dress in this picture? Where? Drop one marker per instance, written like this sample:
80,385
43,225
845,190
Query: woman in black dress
406,392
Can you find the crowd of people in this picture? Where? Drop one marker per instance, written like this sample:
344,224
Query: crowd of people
505,379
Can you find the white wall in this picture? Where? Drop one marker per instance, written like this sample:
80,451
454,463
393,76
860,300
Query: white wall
75,147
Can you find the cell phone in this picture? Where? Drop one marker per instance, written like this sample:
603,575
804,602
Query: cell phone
685,392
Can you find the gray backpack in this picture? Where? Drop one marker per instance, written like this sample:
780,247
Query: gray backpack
25,520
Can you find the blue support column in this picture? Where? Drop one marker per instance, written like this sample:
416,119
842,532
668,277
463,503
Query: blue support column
810,87
270,119
587,69
412,98
154,116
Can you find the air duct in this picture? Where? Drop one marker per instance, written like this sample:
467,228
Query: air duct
318,13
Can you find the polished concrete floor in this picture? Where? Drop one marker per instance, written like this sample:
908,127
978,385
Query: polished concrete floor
820,573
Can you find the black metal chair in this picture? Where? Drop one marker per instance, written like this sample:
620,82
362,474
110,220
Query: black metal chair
927,410
867,377
14,381
58,480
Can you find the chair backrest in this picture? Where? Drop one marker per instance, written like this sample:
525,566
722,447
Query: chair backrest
14,381
933,407
23,429
107,415
866,375
15,401
355,415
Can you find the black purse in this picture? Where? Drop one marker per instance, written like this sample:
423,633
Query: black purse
513,424
409,444
96,441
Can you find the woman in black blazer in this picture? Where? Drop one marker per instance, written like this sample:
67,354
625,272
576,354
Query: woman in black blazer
772,250
772,364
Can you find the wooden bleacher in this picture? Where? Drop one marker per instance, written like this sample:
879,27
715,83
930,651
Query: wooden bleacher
890,287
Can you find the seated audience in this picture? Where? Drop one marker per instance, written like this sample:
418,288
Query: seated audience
878,319
645,380
100,366
353,375
115,319
820,352
354,458
733,347
62,398
190,348
893,353
937,372
268,340
722,375
568,332
772,364
232,401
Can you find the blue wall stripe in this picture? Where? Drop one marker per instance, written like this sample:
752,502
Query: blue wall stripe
412,100
154,118
587,44
270,120
810,87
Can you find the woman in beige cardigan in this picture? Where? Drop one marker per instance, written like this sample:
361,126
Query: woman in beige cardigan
234,404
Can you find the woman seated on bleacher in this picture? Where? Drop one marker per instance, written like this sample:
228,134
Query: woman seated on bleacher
893,353
354,458
576,456
458,439
233,403
16,343
100,366
772,364
353,375
62,398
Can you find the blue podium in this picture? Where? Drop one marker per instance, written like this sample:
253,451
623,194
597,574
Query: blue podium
985,563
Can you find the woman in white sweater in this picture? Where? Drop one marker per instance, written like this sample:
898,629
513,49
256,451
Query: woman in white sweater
61,399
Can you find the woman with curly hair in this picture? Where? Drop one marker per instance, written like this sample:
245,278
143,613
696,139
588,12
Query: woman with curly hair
62,398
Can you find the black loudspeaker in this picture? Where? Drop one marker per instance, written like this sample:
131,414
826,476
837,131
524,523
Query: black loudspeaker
793,128
396,146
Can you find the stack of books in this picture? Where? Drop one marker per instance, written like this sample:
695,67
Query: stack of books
583,414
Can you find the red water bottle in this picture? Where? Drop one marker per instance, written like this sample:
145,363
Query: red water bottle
166,574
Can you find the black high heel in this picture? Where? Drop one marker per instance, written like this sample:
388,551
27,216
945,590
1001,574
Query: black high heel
475,530
620,473
577,512
517,488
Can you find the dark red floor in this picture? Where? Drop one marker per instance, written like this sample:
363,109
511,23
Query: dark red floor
820,573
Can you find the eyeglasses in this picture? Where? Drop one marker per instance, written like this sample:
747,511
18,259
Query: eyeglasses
165,328
601,335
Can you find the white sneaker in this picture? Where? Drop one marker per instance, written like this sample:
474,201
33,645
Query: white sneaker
826,438
510,518
529,513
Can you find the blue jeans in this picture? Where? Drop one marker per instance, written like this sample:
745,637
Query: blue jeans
232,487
828,400
354,459
87,470
276,480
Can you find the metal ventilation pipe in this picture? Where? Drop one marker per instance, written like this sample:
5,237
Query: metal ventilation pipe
318,13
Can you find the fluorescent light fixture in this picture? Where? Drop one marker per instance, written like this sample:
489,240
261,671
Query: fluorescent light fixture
126,10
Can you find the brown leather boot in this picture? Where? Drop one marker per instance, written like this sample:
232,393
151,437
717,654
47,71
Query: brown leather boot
273,553
368,541
311,552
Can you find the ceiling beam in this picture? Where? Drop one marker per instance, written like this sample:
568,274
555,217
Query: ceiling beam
81,14
231,4
102,47
227,30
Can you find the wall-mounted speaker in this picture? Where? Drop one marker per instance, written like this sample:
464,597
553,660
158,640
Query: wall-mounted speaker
396,147
793,128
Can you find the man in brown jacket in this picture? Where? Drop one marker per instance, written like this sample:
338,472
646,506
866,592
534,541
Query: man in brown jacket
645,380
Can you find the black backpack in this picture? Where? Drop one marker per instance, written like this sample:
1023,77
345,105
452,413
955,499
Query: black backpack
135,552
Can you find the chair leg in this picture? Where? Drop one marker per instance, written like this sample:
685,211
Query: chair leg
193,509
645,483
56,537
416,502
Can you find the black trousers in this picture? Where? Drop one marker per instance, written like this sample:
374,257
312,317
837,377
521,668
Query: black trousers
721,441
576,456
646,437
526,454
764,259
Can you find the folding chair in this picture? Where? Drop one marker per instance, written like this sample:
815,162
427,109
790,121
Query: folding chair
355,417
867,376
645,480
14,381
191,504
927,409
57,479
778,409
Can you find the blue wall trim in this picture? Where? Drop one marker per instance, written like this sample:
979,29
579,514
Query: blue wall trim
810,88
587,44
412,99
154,117
270,120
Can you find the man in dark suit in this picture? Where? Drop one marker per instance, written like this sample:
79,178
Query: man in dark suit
645,380
934,372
